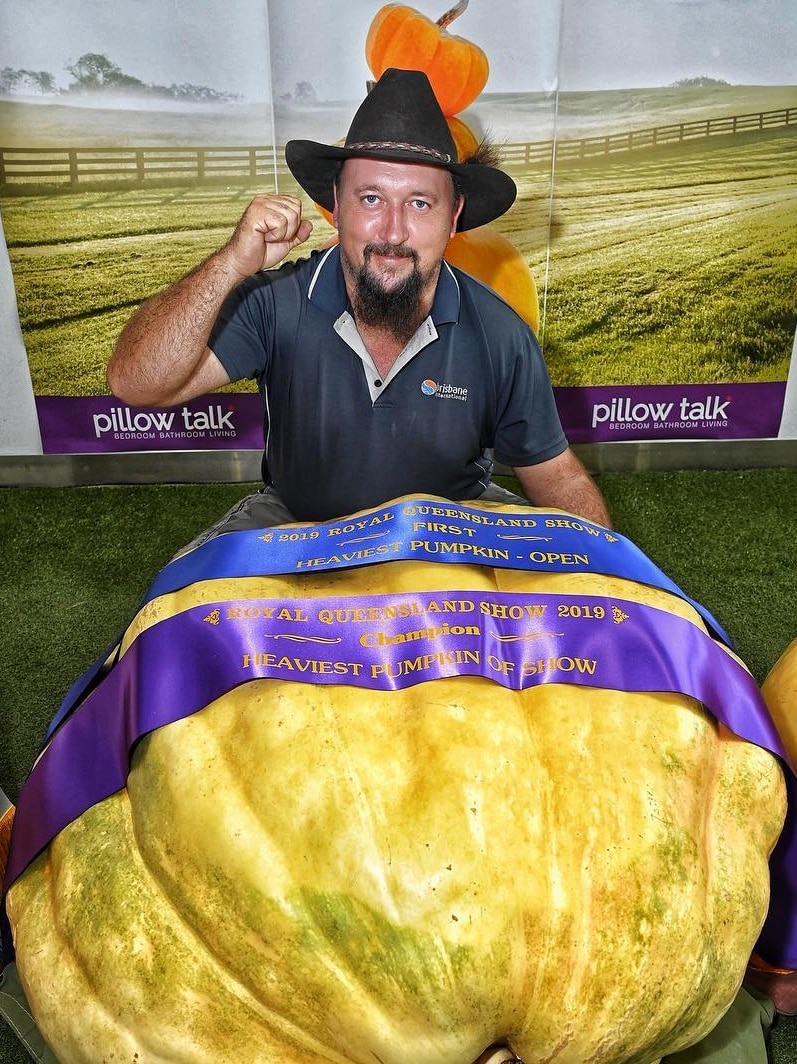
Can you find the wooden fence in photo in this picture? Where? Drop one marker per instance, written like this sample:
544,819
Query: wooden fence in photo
668,136
46,169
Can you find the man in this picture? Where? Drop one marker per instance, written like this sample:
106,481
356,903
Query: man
384,371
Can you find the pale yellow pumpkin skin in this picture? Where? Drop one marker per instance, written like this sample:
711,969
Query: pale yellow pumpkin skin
780,692
302,874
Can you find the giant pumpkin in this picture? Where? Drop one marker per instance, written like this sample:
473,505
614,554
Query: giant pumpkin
300,874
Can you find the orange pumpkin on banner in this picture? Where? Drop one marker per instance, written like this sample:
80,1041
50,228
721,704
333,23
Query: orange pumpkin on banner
465,139
402,37
487,255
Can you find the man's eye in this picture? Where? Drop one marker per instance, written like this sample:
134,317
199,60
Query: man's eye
420,204
370,197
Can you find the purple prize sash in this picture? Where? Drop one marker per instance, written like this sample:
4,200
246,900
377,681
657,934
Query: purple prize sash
385,642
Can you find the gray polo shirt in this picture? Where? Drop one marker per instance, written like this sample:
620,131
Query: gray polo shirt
340,438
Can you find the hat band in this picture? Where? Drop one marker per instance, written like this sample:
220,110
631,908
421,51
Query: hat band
392,145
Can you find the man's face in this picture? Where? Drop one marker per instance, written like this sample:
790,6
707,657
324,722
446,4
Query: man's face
394,221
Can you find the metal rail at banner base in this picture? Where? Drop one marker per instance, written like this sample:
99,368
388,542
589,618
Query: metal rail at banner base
206,467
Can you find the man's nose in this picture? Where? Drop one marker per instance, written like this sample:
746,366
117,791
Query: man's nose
394,224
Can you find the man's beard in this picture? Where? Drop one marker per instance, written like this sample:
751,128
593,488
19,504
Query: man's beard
396,309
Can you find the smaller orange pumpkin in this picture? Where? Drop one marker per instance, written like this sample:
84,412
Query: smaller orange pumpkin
400,36
490,257
465,139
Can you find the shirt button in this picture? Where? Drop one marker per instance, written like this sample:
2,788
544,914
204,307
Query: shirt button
377,384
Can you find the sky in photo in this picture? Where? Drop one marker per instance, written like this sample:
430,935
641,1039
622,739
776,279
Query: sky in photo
243,46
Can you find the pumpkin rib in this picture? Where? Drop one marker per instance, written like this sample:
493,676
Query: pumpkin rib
160,879
77,964
78,996
53,871
347,976
203,953
711,815
454,72
23,904
369,824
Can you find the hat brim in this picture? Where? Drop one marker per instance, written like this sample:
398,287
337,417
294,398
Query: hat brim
488,192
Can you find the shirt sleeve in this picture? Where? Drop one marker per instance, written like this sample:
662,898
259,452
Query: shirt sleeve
241,335
528,428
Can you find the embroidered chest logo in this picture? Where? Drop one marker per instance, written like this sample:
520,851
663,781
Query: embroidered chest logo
443,391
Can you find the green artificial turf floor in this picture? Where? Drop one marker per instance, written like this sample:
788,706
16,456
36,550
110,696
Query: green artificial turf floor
75,562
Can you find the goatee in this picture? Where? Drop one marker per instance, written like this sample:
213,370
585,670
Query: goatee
396,309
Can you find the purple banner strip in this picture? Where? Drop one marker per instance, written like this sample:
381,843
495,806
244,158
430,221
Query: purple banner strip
385,642
424,529
102,424
671,411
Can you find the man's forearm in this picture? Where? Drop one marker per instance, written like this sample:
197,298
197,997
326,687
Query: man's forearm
564,484
580,496
160,355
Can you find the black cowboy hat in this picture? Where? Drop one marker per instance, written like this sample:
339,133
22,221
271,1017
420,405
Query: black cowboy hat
400,119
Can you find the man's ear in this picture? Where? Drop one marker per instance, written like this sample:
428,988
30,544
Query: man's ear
335,204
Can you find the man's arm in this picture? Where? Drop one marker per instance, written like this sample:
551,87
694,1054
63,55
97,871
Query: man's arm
564,484
162,355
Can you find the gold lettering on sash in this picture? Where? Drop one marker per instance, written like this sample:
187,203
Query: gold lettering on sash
424,662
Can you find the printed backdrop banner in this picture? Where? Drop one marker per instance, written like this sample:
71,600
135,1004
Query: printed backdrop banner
97,424
652,247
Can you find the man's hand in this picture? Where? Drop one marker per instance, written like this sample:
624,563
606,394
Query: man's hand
270,228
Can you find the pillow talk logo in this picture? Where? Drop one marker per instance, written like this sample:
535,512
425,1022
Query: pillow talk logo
122,423
443,391
686,412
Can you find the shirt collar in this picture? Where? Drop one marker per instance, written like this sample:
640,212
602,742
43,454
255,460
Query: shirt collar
327,289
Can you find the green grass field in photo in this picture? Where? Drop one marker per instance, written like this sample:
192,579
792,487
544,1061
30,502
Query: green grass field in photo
668,266
680,269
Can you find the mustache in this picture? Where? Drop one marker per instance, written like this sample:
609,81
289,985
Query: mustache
390,249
